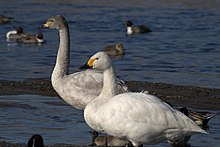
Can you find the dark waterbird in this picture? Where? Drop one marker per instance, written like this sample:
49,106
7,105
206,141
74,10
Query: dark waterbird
36,141
132,29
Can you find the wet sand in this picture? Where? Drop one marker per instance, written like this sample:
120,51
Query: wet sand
188,96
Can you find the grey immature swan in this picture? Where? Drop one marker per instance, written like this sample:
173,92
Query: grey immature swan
79,88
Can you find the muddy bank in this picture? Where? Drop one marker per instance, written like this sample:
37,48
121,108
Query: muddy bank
189,96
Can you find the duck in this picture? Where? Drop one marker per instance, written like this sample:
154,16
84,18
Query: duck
138,117
115,50
199,117
111,141
18,33
37,39
132,29
79,88
36,141
5,19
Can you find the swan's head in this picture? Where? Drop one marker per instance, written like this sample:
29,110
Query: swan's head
99,61
56,22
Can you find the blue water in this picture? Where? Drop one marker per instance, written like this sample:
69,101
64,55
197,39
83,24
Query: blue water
56,121
24,115
183,48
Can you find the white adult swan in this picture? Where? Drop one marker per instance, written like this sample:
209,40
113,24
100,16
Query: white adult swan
79,88
141,118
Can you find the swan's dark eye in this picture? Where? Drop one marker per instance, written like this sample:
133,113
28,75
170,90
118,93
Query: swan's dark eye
97,58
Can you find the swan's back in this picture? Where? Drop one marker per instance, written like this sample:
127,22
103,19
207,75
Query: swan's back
145,118
79,88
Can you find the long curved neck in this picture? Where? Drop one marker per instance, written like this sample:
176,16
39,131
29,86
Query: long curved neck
109,89
62,62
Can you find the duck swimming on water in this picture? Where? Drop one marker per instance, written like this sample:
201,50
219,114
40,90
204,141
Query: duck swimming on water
36,39
18,33
115,50
5,19
132,29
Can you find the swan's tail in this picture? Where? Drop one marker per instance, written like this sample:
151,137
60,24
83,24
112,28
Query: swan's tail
190,126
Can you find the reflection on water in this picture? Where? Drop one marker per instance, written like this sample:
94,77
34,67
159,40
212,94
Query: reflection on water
25,115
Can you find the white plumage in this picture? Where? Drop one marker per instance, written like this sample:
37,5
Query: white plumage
79,88
139,117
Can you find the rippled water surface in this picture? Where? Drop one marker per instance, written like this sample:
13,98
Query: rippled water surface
183,48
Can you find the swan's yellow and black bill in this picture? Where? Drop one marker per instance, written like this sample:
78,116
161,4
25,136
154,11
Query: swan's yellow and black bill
46,25
89,64
91,61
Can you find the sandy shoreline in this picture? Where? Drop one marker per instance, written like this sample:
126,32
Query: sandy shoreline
188,96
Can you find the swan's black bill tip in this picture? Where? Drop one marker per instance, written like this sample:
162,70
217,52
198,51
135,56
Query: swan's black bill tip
85,66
